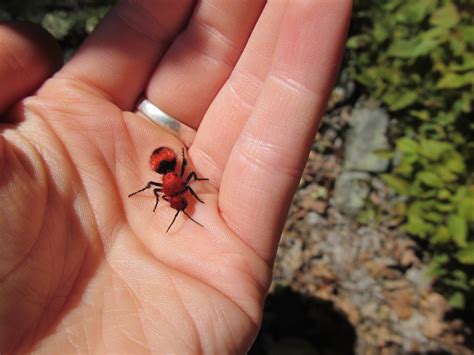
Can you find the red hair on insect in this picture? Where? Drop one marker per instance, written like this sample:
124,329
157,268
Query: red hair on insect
173,187
163,160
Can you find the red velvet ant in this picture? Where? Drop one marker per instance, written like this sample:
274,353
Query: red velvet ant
172,187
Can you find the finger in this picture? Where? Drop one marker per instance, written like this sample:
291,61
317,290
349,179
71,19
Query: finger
28,56
229,111
202,57
118,58
265,164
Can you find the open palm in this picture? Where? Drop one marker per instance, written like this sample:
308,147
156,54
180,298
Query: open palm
84,268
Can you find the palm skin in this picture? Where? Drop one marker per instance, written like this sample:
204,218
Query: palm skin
86,269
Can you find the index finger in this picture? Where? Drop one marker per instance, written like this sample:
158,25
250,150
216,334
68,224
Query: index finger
118,58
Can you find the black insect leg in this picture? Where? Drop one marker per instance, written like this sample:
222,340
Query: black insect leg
148,186
156,192
186,213
183,164
191,218
174,219
193,175
188,188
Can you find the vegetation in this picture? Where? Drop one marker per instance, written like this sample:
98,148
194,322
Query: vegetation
70,21
417,58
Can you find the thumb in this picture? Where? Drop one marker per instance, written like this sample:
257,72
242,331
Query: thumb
28,56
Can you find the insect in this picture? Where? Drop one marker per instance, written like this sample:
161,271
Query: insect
173,186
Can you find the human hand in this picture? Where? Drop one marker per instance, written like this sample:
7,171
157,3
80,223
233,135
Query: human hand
83,268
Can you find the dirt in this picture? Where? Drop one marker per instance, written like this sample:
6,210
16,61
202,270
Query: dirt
340,287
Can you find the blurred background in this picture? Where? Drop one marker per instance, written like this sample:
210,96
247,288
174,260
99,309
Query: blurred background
377,255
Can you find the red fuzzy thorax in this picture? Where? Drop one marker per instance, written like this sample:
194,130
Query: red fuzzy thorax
163,160
172,184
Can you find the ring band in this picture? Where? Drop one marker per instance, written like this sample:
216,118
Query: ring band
185,133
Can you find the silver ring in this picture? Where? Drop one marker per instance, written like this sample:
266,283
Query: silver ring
185,133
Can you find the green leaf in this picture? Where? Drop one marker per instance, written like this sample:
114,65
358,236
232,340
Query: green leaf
455,81
407,145
445,207
358,41
458,228
455,163
467,32
467,63
458,280
430,179
404,169
433,149
444,174
466,255
422,115
466,207
380,32
416,225
442,236
403,48
413,12
457,300
444,194
425,47
404,100
437,265
398,184
446,16
433,217
398,99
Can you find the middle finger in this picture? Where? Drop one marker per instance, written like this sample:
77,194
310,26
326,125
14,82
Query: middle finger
202,57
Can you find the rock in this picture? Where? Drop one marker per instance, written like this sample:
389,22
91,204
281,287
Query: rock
376,268
402,303
369,310
343,90
312,218
370,241
433,327
320,206
351,192
367,135
436,305
410,329
292,260
419,277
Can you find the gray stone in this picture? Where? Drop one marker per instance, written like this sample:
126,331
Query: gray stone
312,218
351,192
419,277
370,240
410,330
292,259
367,135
